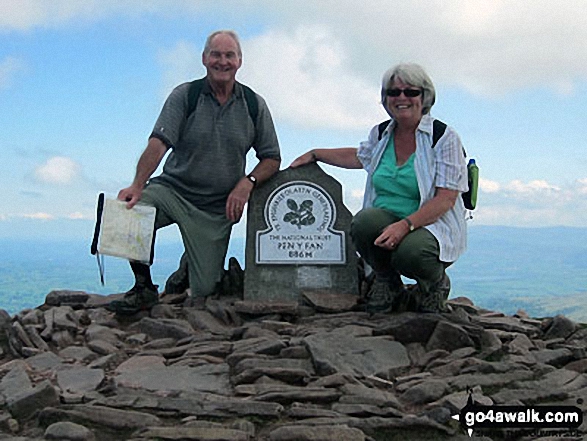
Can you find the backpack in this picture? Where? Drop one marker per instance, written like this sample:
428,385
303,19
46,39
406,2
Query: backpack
250,98
438,129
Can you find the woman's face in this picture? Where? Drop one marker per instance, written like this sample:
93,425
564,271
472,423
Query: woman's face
402,107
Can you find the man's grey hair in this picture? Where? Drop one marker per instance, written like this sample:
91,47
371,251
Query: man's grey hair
229,32
414,75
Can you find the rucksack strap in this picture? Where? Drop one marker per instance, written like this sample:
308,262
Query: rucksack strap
195,90
438,129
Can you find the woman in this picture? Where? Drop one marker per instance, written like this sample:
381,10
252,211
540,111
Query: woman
413,218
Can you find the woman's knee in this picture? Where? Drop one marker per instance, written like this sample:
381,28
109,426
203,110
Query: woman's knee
369,223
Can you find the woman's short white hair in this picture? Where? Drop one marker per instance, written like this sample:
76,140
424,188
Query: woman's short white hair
414,75
229,32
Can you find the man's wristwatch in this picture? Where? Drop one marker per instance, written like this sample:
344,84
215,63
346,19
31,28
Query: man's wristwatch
253,180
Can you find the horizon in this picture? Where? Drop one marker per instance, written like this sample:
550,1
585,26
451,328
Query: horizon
82,84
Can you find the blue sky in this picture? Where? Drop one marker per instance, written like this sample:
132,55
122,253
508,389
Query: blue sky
82,83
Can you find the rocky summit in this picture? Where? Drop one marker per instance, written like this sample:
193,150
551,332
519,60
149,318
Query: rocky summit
234,370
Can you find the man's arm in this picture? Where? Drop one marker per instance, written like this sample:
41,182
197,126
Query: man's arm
241,193
148,163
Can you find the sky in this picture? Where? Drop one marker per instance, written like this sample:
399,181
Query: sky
82,83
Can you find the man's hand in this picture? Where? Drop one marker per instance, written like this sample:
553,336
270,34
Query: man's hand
237,199
131,195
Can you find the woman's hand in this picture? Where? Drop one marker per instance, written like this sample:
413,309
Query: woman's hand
306,158
392,235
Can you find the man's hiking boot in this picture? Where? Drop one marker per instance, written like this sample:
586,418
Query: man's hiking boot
435,300
381,297
139,298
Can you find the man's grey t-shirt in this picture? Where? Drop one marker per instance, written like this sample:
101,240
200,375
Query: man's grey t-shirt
208,150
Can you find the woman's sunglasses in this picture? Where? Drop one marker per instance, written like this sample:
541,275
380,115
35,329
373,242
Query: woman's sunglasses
409,93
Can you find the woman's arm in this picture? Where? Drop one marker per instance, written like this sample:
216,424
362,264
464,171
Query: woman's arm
429,212
344,157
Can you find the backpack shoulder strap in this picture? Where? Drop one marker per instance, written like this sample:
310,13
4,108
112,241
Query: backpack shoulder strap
252,103
250,98
193,95
438,129
381,127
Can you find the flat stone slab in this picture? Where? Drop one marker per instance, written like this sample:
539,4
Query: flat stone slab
206,378
324,301
99,416
336,352
79,379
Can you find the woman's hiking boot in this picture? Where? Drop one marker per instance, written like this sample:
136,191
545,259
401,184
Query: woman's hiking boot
434,301
139,298
382,295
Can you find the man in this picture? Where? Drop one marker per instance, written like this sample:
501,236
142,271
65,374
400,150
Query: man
203,188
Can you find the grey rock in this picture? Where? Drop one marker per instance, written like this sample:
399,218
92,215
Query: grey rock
260,345
206,378
165,328
509,324
77,380
44,361
203,320
193,433
65,297
449,337
22,335
86,415
337,352
160,343
32,317
78,353
360,394
554,357
26,403
528,396
320,433
560,327
425,392
35,338
266,308
104,333
102,347
66,431
15,382
365,410
64,318
139,362
409,327
327,301
520,345
293,371
61,339
466,381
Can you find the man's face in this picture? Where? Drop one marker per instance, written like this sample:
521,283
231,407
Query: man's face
223,60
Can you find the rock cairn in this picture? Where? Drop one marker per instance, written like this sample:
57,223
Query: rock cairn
231,370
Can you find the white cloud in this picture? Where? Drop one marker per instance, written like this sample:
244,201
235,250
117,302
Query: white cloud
58,170
39,216
181,63
488,47
10,67
534,203
488,186
532,187
306,79
79,216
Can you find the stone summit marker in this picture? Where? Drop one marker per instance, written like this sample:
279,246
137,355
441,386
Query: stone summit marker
298,237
